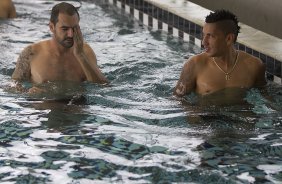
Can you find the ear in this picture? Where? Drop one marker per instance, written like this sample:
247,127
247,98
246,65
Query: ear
51,27
230,38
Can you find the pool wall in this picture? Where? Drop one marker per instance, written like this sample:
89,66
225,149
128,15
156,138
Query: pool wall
185,19
257,14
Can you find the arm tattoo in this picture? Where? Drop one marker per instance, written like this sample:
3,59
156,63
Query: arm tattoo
22,71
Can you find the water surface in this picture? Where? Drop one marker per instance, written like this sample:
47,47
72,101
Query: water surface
132,131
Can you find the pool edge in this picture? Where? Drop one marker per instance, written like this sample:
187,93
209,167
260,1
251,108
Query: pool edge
172,19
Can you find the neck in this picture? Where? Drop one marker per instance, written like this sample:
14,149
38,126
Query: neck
227,60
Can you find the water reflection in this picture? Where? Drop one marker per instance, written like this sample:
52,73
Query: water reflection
236,120
63,100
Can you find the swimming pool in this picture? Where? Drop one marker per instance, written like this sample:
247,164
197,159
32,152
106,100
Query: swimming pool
132,131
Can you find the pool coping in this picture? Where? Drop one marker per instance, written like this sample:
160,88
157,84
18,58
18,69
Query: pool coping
184,19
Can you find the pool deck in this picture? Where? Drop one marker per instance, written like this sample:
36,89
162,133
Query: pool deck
174,16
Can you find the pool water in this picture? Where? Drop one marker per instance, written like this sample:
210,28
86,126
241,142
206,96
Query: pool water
133,130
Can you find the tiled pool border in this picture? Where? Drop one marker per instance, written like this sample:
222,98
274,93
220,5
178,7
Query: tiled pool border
160,19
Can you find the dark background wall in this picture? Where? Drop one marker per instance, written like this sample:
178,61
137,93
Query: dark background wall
264,15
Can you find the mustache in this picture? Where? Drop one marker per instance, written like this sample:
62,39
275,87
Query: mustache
68,39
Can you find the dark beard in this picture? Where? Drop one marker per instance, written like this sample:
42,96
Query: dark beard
67,42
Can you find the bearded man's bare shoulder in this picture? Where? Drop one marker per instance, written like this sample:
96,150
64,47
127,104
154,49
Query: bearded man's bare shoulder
22,70
41,45
23,66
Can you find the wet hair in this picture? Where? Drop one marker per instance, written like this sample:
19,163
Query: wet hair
226,20
63,7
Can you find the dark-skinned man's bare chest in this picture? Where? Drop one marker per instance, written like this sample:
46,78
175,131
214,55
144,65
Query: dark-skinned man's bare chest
212,79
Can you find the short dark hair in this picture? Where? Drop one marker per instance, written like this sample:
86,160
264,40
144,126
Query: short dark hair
63,7
227,21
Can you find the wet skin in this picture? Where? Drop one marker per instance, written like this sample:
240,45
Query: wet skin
65,57
201,74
